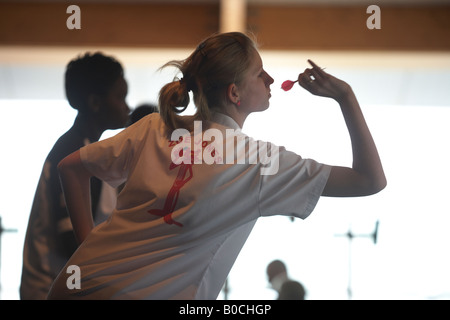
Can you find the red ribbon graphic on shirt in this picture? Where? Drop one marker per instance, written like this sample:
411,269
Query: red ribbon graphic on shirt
184,175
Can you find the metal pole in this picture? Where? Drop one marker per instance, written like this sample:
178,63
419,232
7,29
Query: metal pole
1,233
226,290
233,15
350,235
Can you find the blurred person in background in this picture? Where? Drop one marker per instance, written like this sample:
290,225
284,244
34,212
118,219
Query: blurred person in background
95,86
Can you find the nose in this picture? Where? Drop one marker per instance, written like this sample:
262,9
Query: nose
269,80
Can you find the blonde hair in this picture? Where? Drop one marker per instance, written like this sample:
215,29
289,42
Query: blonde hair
217,62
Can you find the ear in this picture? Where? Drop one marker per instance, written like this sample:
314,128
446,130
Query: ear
233,93
94,103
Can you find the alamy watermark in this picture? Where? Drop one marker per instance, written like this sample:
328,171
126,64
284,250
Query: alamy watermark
211,147
374,21
74,20
74,280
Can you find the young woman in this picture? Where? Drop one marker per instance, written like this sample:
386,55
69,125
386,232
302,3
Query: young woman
194,186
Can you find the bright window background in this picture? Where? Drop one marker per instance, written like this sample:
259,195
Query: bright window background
406,102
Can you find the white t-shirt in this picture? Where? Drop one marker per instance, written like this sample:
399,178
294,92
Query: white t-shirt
178,227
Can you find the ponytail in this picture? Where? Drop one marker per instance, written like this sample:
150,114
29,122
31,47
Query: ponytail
173,100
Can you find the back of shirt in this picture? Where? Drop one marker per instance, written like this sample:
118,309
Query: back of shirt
184,212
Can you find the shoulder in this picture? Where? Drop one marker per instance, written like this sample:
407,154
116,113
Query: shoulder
292,290
65,145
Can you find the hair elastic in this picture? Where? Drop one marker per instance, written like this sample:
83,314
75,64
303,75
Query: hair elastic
183,82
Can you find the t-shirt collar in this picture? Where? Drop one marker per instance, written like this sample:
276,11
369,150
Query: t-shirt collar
224,120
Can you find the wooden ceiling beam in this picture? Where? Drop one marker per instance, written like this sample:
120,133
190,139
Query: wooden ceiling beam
344,28
115,24
283,27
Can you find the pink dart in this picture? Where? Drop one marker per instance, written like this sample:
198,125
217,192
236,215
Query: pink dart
287,85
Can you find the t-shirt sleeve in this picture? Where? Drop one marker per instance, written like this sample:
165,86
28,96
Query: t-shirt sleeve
110,159
295,188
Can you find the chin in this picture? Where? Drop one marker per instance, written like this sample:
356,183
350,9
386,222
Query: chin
264,108
260,108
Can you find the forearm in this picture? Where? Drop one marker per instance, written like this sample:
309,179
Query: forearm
75,182
366,160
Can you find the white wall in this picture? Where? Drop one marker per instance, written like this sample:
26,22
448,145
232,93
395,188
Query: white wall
406,101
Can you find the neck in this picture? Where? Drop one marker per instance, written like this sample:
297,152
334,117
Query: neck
233,112
88,127
278,280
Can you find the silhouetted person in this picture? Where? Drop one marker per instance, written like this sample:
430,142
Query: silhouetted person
95,86
287,288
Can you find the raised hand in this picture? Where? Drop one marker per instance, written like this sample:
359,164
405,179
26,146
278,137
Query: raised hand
321,83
